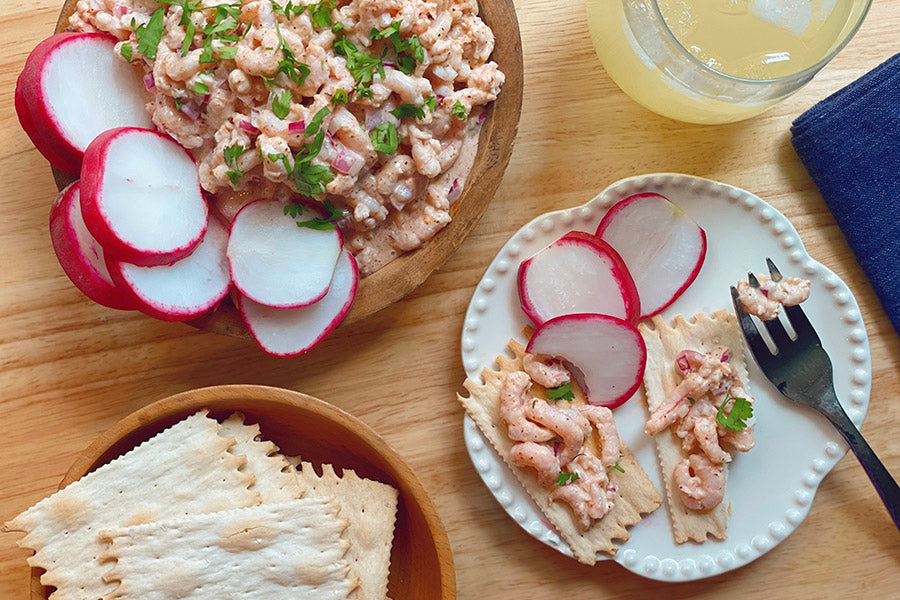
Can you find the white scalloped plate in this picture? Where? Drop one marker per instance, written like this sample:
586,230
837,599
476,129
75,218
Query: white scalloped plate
772,486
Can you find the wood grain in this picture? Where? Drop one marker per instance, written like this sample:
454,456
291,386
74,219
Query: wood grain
69,369
300,425
407,272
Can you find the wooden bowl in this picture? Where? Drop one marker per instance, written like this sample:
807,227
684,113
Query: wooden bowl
421,561
407,272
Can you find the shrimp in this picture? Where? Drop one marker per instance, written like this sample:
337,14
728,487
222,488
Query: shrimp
699,428
590,496
701,484
766,300
545,371
346,129
604,423
569,426
513,410
540,457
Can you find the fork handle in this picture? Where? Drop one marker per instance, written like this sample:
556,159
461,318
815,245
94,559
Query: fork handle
884,484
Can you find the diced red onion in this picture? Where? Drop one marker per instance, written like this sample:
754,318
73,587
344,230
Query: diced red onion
121,10
297,126
256,179
347,162
205,99
374,118
190,110
482,116
455,191
725,356
765,292
389,64
248,127
684,360
149,81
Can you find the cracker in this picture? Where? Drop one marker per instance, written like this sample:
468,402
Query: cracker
185,469
636,494
371,508
664,344
276,480
287,551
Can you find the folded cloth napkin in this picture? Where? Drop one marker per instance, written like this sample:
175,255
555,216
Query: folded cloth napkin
850,145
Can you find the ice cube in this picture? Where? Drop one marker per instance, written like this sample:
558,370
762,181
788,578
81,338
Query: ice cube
793,15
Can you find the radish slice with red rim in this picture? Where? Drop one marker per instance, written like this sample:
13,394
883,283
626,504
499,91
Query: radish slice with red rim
663,248
579,273
141,197
275,262
73,88
293,331
608,353
79,254
184,290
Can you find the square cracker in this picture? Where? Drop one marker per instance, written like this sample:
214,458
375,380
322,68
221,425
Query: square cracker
276,480
371,508
287,551
636,494
664,344
185,469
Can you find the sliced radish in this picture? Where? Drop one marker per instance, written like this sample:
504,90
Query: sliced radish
276,263
292,331
79,254
608,352
579,273
662,247
73,88
141,197
184,290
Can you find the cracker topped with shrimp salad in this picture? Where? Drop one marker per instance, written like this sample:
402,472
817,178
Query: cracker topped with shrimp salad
566,453
700,414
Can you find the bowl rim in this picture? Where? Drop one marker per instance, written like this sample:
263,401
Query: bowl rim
199,398
404,274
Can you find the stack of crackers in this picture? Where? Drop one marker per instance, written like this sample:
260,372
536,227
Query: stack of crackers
207,511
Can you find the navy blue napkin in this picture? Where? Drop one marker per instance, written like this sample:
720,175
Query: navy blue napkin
850,145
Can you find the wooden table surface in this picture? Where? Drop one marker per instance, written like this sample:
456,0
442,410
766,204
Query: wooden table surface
69,368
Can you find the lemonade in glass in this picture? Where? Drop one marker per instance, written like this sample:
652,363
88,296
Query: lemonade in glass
718,61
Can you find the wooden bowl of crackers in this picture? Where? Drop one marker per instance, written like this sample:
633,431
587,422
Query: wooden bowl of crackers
336,460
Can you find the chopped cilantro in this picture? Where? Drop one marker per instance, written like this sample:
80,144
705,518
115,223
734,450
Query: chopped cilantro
735,419
362,91
339,97
431,102
408,110
458,111
200,88
320,13
292,210
289,65
562,392
313,127
566,478
326,222
127,50
178,104
618,468
337,27
149,35
691,400
232,153
227,52
409,51
281,103
362,66
385,139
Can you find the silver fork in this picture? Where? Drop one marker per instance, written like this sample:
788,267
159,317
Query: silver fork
802,372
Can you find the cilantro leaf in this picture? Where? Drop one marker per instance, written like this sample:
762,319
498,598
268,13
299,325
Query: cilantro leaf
127,50
618,468
149,35
562,392
385,139
566,478
459,111
326,222
292,210
281,103
431,102
311,179
362,91
362,66
408,110
320,13
691,400
337,27
228,52
340,97
316,122
741,409
200,88
232,153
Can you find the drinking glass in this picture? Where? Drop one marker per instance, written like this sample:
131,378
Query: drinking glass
643,55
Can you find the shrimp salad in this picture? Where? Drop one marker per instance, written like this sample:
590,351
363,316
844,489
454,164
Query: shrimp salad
707,411
371,107
556,442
